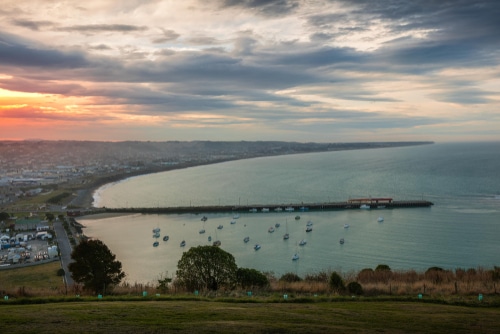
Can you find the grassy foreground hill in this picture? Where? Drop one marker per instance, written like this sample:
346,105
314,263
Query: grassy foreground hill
39,304
209,316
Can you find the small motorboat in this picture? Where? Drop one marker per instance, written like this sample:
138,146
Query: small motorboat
309,229
209,238
183,243
309,223
155,244
286,236
220,227
216,243
202,231
346,225
341,241
204,219
271,229
380,219
302,242
246,239
165,238
236,216
295,257
233,222
256,247
277,225
297,217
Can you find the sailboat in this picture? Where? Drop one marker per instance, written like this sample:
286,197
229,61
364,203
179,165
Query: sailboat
286,236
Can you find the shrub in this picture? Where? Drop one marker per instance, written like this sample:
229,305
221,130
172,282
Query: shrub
336,282
383,267
61,272
355,288
247,278
290,277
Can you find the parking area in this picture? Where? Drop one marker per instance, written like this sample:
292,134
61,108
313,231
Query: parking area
29,250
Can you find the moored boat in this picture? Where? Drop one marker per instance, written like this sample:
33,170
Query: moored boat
256,247
165,238
295,257
302,242
183,243
246,239
155,244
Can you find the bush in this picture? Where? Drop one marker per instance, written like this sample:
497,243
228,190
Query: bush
290,278
336,282
61,272
355,288
383,267
248,278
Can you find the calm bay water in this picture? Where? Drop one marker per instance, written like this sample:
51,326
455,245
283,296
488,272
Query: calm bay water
461,230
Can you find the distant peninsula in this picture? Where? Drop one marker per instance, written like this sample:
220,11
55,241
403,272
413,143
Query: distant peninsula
83,166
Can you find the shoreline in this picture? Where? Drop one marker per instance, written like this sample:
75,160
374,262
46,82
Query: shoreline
85,195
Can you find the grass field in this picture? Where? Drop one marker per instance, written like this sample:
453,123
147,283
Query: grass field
43,307
246,317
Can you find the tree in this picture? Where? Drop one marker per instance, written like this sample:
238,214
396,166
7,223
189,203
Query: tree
290,278
336,282
95,266
355,288
206,267
4,216
248,278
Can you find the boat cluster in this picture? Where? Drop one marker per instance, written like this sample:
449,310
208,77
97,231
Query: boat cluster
156,235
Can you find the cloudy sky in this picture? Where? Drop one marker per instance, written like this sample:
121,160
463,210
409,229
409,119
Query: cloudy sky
293,70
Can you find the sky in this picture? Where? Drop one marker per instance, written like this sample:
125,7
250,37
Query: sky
287,70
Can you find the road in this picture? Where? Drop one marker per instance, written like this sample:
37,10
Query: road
65,250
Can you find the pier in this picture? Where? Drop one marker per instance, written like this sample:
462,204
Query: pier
351,204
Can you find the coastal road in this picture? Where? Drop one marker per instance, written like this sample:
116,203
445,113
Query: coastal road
65,251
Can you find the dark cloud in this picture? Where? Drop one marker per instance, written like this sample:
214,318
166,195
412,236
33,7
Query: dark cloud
99,28
14,53
167,36
264,7
32,25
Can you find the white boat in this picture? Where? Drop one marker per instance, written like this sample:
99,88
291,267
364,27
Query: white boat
271,229
253,210
233,222
380,219
286,236
289,209
278,209
309,223
303,242
204,219
220,227
295,257
183,243
309,229
202,231
216,243
297,217
155,244
277,225
156,230
156,235
364,206
346,225
247,239
236,216
256,247
265,210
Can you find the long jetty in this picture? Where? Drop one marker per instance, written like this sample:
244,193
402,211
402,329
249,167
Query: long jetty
348,205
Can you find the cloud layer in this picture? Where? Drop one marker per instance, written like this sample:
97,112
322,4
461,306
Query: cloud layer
250,70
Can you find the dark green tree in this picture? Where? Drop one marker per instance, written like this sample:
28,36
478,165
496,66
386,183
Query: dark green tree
49,216
206,267
4,216
355,288
249,278
290,278
336,282
95,266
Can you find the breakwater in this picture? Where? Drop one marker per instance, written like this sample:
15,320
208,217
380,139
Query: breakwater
348,205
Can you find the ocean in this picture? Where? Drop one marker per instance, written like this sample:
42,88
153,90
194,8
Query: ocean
461,229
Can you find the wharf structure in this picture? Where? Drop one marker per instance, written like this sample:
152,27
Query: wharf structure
355,203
